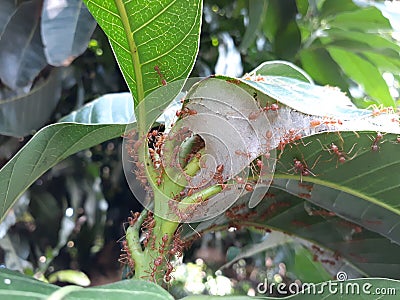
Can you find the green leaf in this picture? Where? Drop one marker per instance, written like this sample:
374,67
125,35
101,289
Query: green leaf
18,286
287,41
21,115
346,247
257,10
126,289
373,40
274,240
359,47
108,109
320,65
281,68
334,7
66,28
364,20
272,20
147,34
350,189
302,6
56,142
364,73
304,97
21,47
7,9
308,270
383,62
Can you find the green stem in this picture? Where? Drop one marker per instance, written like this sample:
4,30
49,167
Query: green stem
204,194
133,240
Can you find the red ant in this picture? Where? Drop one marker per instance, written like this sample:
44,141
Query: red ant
170,269
248,187
263,229
185,112
273,208
239,180
328,261
238,207
337,255
272,107
340,154
376,141
323,213
132,220
164,241
163,81
317,249
130,135
268,137
218,174
355,228
156,263
359,258
302,168
326,121
126,258
148,224
159,176
300,223
290,137
308,187
377,110
315,123
241,153
177,244
304,195
373,222
234,81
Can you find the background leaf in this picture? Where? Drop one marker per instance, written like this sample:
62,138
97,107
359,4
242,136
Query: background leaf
7,9
21,115
320,65
66,28
257,10
282,68
131,28
364,73
55,142
369,18
21,50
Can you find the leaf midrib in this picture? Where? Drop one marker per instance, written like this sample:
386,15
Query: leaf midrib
340,188
132,49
